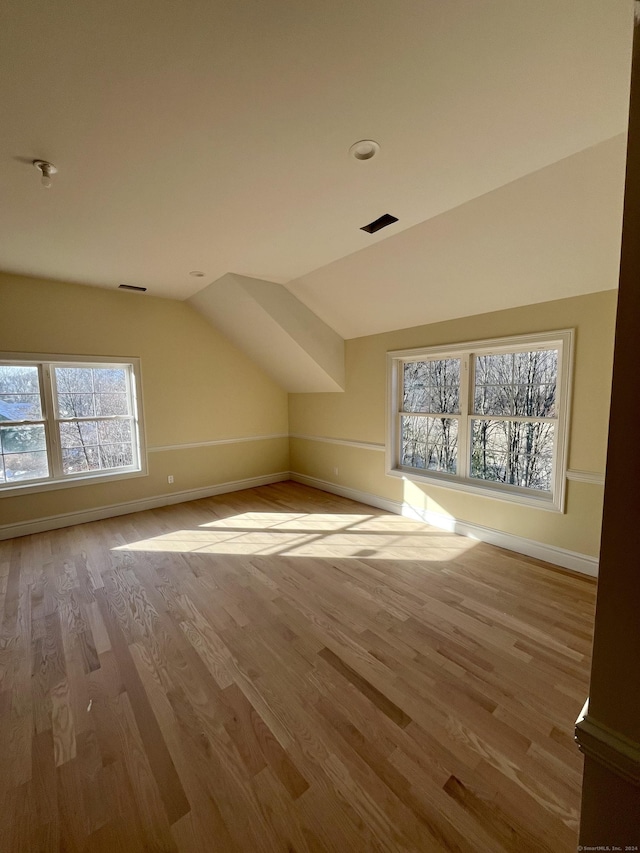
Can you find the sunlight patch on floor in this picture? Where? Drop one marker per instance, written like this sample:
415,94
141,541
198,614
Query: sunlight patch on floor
311,535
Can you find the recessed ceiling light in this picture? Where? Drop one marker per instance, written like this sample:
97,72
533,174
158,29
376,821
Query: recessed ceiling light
197,273
364,150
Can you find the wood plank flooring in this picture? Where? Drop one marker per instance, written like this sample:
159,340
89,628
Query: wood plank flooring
284,670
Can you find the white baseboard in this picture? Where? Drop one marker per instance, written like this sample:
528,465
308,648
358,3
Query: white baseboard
572,560
346,492
558,556
53,522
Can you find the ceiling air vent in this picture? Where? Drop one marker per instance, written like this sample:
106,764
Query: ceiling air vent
377,224
132,287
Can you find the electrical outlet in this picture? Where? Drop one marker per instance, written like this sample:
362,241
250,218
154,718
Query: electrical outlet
170,479
335,472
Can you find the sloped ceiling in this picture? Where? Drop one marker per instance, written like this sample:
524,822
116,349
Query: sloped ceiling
214,136
279,332
551,234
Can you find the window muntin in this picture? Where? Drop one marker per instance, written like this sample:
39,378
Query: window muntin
489,416
62,422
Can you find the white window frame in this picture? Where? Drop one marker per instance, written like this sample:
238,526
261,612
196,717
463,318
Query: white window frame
554,499
45,362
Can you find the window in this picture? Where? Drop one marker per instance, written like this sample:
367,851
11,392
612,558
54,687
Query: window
490,417
68,421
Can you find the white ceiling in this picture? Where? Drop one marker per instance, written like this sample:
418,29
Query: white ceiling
214,135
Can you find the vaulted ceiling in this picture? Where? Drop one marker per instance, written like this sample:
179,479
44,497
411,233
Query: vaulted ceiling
214,136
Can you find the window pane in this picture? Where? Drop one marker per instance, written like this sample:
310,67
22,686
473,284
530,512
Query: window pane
444,398
20,407
494,369
116,455
430,443
446,385
492,400
75,460
19,393
19,379
538,367
22,439
114,432
76,405
415,436
78,434
432,386
514,452
74,380
535,401
25,466
110,380
416,381
489,450
111,404
532,454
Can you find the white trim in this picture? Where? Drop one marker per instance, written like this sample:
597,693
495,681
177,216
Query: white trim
482,488
67,519
586,477
345,442
107,476
216,441
582,563
614,750
536,340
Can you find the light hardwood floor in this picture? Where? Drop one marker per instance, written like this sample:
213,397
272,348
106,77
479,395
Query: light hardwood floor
285,670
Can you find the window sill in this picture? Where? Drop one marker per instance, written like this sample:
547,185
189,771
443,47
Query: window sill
543,500
87,480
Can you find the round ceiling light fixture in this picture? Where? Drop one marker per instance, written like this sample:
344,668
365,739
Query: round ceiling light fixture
365,149
47,170
197,273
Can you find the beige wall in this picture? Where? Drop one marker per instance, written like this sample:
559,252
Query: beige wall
359,415
196,387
